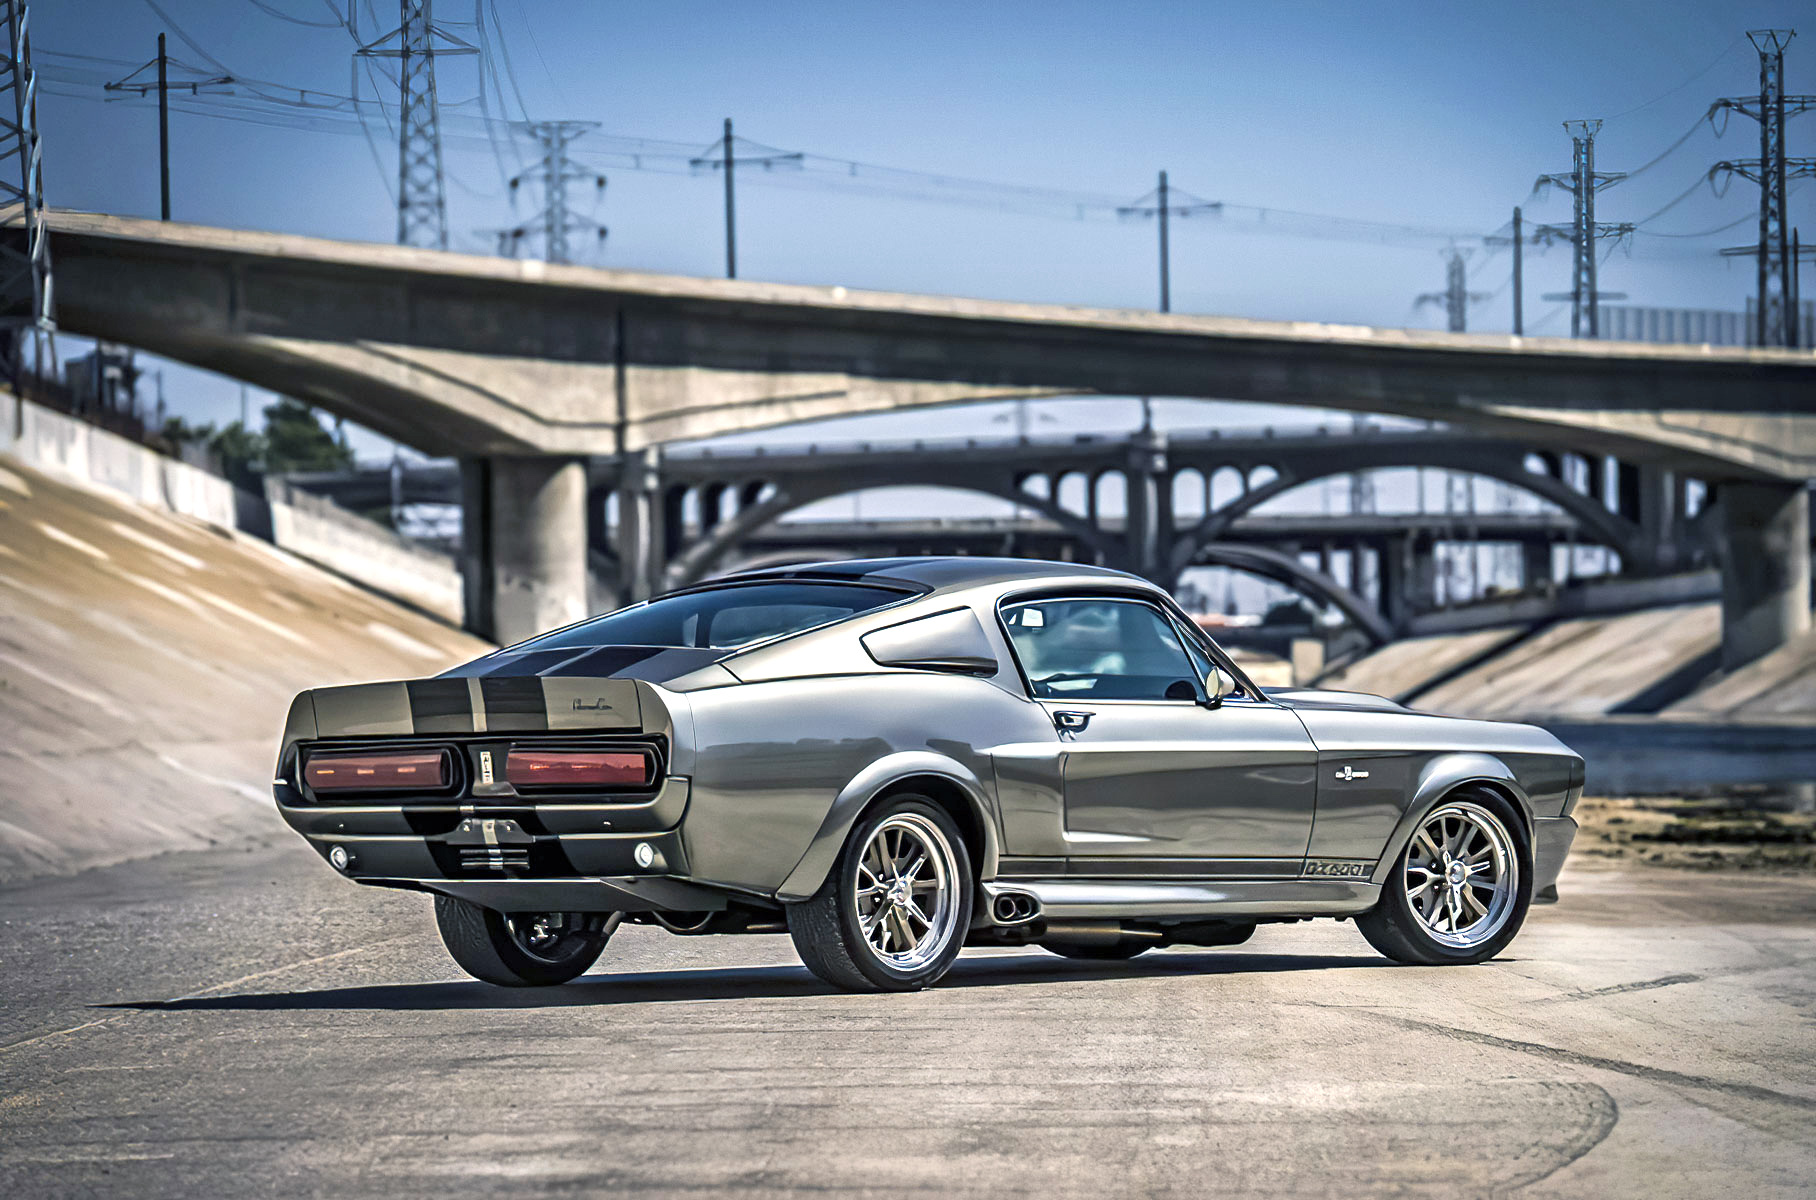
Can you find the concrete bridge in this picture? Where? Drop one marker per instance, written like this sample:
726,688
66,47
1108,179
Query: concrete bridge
524,370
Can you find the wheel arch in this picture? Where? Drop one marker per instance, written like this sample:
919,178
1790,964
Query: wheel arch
942,779
1442,778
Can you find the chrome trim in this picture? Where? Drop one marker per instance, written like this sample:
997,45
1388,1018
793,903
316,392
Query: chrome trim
1061,899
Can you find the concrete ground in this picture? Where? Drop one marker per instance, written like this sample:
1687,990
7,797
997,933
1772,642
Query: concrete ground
240,1021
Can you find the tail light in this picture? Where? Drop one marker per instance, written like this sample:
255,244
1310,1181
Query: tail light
577,768
404,770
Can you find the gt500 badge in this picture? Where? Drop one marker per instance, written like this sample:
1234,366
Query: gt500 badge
1342,870
485,766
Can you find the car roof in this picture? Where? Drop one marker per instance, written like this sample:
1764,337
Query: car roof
938,573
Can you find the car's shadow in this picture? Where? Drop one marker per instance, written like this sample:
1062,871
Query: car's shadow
739,983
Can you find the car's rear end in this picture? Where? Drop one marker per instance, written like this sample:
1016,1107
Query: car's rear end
516,793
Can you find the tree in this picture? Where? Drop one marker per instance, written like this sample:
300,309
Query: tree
294,440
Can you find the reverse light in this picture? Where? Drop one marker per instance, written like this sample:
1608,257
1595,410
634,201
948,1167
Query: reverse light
577,768
413,770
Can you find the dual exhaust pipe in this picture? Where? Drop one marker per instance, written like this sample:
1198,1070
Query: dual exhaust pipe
1013,908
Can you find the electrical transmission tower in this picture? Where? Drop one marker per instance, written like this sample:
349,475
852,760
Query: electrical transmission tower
26,296
422,207
1164,204
1583,182
1456,296
552,176
1777,323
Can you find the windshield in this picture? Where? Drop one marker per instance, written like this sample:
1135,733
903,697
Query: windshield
722,618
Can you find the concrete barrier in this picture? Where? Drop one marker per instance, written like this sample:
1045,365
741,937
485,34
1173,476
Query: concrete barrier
308,526
321,531
1646,756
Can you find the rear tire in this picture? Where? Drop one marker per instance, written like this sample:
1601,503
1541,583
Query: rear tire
522,949
893,911
1459,890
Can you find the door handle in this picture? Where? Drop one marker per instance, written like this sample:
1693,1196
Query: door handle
1067,721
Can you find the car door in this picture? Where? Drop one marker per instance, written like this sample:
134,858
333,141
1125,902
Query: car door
1155,779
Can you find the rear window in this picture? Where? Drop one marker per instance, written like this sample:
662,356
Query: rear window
722,618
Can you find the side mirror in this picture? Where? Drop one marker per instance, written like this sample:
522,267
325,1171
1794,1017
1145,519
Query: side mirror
1217,685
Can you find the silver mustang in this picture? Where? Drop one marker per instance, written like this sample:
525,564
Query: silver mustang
892,759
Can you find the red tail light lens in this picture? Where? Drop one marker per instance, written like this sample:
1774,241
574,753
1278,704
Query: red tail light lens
577,768
412,770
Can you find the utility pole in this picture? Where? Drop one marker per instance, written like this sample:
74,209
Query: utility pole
1583,182
553,174
141,86
1456,296
722,156
27,302
1159,204
1519,282
163,132
1777,323
422,208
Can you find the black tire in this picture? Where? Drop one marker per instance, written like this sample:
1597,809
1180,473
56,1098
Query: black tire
1114,952
828,929
1397,931
505,949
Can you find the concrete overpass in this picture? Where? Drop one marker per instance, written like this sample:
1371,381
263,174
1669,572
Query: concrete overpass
525,369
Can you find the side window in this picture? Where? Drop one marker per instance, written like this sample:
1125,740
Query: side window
1099,650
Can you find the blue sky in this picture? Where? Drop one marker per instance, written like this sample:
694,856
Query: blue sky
1416,114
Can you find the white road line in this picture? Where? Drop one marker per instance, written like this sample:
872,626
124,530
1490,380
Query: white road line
182,557
245,614
63,685
71,540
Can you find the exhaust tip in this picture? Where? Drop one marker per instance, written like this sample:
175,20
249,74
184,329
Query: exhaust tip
1013,908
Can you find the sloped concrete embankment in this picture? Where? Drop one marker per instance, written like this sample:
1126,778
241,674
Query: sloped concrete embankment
147,659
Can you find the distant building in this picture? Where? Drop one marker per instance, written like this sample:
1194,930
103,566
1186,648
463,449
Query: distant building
1710,326
105,381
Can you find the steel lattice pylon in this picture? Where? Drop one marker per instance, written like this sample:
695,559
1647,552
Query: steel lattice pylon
1583,182
556,170
422,208
25,274
1771,171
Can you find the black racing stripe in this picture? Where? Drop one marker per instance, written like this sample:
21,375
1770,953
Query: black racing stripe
514,705
440,706
607,661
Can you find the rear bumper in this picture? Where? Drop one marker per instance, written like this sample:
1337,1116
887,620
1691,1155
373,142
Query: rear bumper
1551,839
517,857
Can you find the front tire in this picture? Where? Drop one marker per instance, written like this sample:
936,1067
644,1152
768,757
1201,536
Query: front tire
521,949
1459,890
893,912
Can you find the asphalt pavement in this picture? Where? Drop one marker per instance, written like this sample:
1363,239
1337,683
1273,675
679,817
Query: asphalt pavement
239,1021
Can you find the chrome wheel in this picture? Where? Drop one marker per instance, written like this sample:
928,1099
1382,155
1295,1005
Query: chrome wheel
1462,875
555,937
905,895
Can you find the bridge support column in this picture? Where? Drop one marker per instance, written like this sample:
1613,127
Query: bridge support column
1765,568
1148,510
523,545
1535,567
640,534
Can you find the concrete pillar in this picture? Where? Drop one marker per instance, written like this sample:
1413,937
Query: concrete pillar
640,525
523,545
1658,521
1765,568
1535,566
1145,478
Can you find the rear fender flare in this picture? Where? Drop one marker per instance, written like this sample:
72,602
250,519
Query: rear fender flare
866,786
1442,776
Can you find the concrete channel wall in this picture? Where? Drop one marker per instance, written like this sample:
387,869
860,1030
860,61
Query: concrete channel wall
307,526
